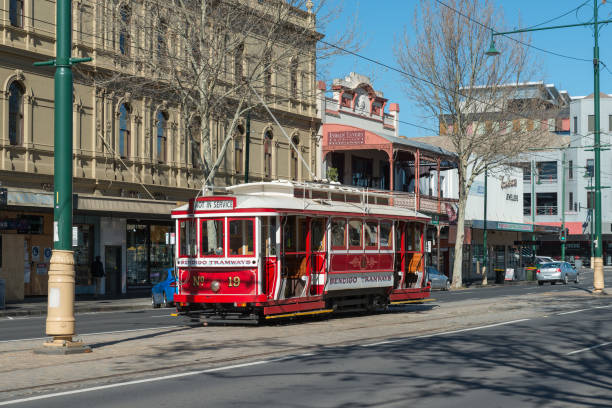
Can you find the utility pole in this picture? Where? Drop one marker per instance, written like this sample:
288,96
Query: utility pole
598,277
563,237
484,235
60,303
533,211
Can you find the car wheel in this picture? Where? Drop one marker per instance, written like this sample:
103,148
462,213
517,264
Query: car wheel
447,286
164,301
541,283
155,305
565,280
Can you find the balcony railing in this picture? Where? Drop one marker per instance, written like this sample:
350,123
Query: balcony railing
546,210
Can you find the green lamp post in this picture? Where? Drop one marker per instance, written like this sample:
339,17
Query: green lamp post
60,303
598,279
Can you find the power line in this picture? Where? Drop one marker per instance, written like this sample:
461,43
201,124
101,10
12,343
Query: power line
512,38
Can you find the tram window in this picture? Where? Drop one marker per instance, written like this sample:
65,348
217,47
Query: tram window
187,238
409,237
289,234
417,238
269,235
355,233
317,232
241,237
338,229
371,234
211,234
386,234
302,233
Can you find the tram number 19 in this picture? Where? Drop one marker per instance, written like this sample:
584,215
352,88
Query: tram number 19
233,281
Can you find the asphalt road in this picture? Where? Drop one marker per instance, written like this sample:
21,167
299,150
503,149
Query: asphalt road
562,359
20,328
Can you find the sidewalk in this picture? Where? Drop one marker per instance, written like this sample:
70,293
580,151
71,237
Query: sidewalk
38,306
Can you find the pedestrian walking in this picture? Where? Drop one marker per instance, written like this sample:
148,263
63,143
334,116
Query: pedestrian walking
97,272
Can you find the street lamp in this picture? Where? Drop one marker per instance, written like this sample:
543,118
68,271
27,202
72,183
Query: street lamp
598,280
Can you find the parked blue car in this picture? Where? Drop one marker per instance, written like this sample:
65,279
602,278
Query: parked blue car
162,294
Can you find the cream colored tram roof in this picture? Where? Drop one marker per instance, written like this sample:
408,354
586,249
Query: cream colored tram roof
280,195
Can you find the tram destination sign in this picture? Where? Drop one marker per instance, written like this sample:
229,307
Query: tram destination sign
214,205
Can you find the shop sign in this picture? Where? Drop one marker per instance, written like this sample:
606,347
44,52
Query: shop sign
47,254
511,226
346,137
35,253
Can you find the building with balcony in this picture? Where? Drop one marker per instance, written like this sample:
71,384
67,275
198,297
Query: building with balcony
132,160
578,174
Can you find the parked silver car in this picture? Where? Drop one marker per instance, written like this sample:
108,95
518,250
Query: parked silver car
437,279
554,272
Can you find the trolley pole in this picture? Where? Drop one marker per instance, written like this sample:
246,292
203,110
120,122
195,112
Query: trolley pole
247,144
60,303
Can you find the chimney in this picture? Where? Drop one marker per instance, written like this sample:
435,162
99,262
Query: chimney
394,109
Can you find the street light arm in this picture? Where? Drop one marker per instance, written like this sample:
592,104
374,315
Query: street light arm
527,30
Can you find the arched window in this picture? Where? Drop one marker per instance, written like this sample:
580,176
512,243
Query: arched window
238,58
16,92
294,157
16,13
268,136
293,77
238,140
162,136
124,30
125,139
195,131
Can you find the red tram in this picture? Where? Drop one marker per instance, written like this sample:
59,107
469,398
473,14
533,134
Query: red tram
280,249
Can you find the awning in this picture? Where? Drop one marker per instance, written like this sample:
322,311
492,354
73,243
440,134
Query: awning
125,205
502,226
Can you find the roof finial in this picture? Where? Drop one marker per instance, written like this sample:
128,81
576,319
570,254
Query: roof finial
309,6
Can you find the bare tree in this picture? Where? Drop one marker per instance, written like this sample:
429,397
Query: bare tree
450,77
205,57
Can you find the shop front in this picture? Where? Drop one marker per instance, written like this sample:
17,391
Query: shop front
149,252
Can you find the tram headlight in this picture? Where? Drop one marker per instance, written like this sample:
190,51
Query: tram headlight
215,286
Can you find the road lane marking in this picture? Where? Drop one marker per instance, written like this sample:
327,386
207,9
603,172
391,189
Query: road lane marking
425,336
168,315
98,333
589,348
584,310
134,382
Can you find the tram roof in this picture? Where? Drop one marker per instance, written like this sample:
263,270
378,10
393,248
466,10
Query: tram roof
281,195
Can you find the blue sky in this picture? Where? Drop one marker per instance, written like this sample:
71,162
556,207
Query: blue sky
381,22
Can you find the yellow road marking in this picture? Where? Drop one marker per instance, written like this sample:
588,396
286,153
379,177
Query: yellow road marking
413,301
300,313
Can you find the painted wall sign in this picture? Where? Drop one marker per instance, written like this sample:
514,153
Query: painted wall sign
508,183
512,197
346,137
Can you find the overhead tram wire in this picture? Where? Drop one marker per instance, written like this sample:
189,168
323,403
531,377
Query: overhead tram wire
520,115
512,38
575,9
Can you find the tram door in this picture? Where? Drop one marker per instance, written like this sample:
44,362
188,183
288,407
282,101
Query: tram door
294,257
399,274
269,255
318,255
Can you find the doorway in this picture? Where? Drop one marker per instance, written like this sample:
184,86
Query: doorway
112,268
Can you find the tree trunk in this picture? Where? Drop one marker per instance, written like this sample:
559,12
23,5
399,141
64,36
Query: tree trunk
458,262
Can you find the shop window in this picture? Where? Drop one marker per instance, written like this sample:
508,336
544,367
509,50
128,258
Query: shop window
83,254
355,233
386,231
370,229
211,238
241,238
160,253
338,231
187,238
